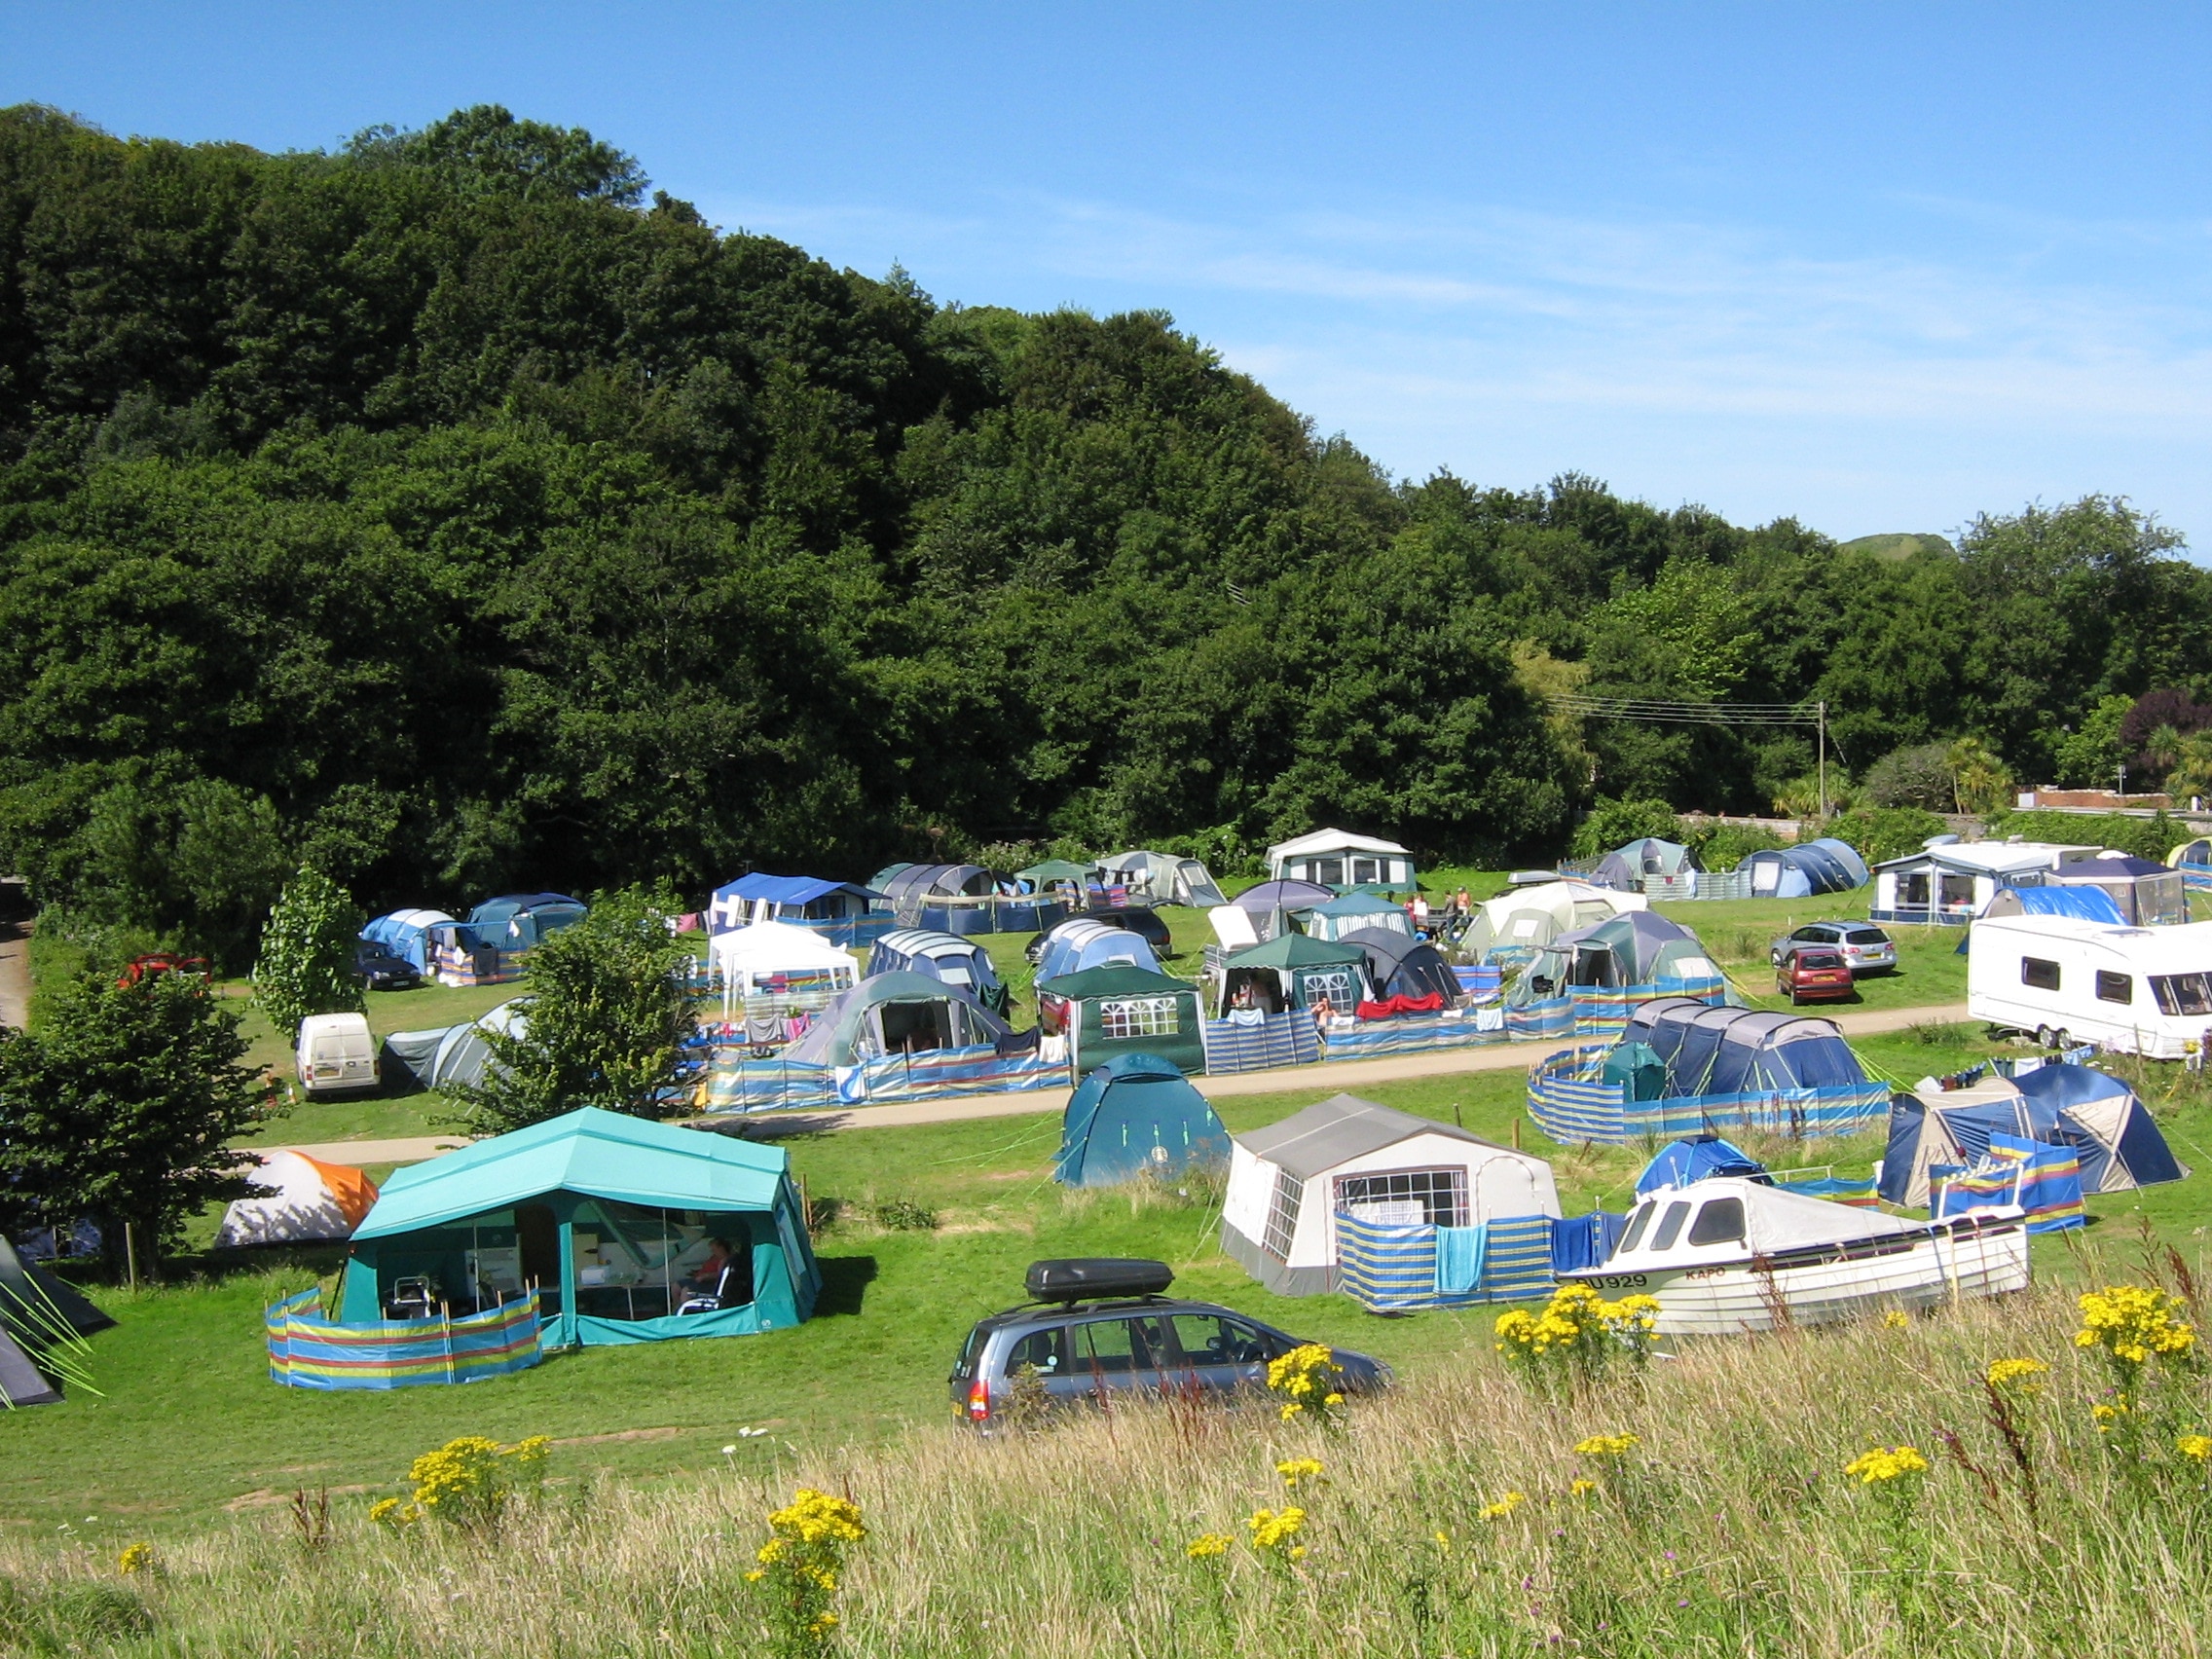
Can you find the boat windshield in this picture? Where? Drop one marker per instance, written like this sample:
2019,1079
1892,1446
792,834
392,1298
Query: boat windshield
1671,1224
1636,1223
1719,1222
2183,994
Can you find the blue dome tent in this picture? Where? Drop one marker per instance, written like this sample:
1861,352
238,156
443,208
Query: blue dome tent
1826,865
2092,1113
406,933
1080,944
1680,1163
1133,1114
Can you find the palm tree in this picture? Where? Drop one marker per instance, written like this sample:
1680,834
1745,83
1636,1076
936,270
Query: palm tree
2191,765
1979,779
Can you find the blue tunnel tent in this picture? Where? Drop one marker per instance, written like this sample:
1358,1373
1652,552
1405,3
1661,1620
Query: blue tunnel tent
1680,1163
610,1218
1826,865
900,1012
945,956
406,933
517,921
2091,1112
1079,944
1713,1050
1398,965
837,909
1626,869
1357,911
1137,1114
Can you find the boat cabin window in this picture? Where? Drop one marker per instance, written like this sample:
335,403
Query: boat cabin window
1671,1224
1719,1222
2114,987
1636,1225
2037,974
2183,994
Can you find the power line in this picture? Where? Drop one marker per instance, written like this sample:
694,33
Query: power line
1657,708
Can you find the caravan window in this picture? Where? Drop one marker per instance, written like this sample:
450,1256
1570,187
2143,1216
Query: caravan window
2037,974
2183,995
1282,1215
1432,1197
1719,1222
2114,987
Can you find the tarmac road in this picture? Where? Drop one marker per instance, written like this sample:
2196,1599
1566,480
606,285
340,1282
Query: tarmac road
1348,1074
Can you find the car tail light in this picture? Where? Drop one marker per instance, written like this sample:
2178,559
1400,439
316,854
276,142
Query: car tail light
978,1400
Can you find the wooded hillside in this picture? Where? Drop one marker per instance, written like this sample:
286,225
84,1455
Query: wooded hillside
460,514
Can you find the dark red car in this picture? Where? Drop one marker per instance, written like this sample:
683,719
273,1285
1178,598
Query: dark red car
1814,975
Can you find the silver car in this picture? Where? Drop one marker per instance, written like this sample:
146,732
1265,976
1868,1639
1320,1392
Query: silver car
1865,948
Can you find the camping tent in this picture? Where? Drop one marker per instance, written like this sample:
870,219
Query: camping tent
1296,972
39,1312
1680,1163
2145,894
1287,1183
1340,917
449,1055
2090,1111
955,960
912,883
1339,859
606,1215
407,934
1398,965
1826,865
1054,873
834,907
1123,1008
1526,919
1136,1114
1651,860
1639,949
313,1201
1161,878
2086,904
1713,1050
2194,859
1273,904
772,959
517,921
894,1013
1080,944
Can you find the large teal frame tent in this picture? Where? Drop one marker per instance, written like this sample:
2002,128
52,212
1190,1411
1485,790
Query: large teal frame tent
609,1218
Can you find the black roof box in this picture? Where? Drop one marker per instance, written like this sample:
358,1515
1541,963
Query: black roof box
1083,1278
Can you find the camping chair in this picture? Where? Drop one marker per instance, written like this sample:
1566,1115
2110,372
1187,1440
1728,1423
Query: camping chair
721,1298
411,1298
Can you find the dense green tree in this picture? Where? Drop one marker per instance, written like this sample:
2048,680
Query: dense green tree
308,947
122,1106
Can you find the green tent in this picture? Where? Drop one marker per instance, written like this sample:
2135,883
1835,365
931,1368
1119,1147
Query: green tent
1057,872
607,1216
1296,970
1122,1008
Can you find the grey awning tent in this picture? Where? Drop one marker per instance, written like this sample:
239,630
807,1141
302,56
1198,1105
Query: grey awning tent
446,1055
1399,965
897,1013
935,881
1627,868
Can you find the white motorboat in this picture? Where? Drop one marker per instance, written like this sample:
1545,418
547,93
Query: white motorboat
1728,1254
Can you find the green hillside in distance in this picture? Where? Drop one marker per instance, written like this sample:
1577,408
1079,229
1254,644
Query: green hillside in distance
1899,545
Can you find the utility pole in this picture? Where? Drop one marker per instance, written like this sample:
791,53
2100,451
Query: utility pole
1823,716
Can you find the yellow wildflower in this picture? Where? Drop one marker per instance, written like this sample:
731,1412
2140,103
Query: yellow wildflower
1886,1463
2132,1323
1276,1532
1299,1469
2019,1375
1582,1488
2197,1445
137,1558
754,1575
1504,1506
1443,1541
1606,1444
1207,1545
1897,1319
2107,1416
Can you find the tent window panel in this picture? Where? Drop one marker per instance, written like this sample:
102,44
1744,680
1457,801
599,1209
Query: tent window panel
1329,873
917,1027
1282,1215
1363,871
1141,1017
2037,974
1912,890
1671,1224
2115,987
1441,1195
1335,983
1719,1222
1958,890
2183,995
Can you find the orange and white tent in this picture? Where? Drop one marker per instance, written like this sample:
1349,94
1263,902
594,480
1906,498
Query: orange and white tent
313,1201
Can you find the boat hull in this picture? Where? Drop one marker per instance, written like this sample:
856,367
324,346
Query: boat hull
1819,1286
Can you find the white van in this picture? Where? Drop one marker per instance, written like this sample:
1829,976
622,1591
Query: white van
336,1054
2138,990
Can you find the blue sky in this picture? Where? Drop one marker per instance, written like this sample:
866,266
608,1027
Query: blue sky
1882,267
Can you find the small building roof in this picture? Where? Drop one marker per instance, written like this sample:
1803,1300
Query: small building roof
1344,1127
602,1155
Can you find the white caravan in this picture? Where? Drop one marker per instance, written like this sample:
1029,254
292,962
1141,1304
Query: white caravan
2138,990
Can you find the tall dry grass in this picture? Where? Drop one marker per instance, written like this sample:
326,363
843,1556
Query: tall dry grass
1730,1529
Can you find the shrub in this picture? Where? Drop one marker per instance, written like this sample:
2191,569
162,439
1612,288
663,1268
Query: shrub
1887,833
905,1215
1724,846
1916,776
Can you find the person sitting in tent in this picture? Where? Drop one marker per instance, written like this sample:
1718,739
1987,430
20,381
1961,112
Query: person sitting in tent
706,1279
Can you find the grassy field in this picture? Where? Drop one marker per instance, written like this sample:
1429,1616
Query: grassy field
191,1427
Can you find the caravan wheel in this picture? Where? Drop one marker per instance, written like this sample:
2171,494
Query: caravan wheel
2043,1037
2061,1040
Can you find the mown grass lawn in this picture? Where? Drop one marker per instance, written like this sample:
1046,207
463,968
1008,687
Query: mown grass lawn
190,1425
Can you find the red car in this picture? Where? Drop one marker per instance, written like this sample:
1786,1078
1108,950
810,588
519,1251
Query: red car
1814,975
161,962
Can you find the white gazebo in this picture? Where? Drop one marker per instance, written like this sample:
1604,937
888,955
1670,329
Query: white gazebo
775,959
